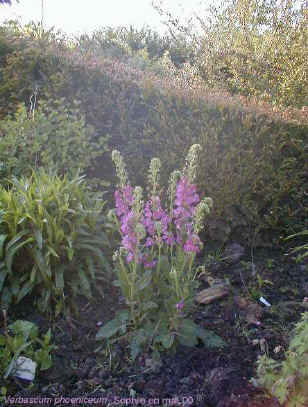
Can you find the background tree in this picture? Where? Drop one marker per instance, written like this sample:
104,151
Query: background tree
252,47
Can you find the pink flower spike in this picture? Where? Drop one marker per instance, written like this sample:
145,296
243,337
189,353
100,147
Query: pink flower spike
179,306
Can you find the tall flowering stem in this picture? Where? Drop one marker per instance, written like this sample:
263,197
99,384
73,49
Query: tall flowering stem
159,245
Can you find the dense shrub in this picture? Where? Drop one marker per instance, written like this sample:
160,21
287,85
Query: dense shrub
56,137
30,56
253,165
125,43
50,244
253,48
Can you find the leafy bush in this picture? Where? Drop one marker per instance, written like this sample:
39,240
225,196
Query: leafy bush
155,262
57,138
288,380
51,243
252,47
22,339
36,53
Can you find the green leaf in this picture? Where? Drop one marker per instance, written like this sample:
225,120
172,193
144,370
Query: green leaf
91,266
164,264
3,274
16,238
33,274
138,338
59,307
188,333
45,298
52,251
167,340
2,241
70,253
11,251
24,328
43,267
209,338
59,277
109,329
123,316
6,297
84,282
25,289
145,280
43,357
15,287
39,238
47,337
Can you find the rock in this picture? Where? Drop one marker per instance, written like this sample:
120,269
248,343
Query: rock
213,293
233,253
249,310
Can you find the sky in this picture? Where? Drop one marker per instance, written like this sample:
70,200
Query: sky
79,16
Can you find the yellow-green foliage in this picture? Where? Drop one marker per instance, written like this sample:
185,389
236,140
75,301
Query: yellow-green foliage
302,250
53,136
50,241
288,380
257,48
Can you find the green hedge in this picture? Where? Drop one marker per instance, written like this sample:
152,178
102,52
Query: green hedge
253,165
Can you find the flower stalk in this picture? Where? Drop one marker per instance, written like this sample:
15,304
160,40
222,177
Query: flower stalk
155,261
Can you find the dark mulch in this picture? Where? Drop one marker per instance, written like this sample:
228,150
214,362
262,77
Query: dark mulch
192,376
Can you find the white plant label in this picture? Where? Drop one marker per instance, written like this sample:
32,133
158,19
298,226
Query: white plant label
24,368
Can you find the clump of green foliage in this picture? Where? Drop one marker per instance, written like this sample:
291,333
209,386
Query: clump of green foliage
55,136
51,244
253,48
288,380
22,339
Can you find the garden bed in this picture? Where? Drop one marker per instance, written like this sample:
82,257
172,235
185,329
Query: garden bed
200,376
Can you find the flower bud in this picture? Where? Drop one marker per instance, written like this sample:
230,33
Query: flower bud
202,208
140,231
192,162
120,167
173,180
138,202
154,175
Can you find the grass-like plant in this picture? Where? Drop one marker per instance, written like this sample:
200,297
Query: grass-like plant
155,263
50,240
302,249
